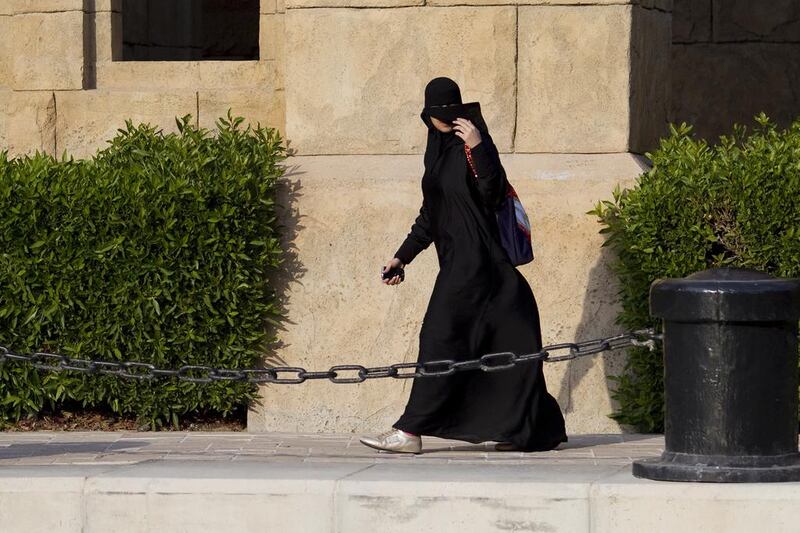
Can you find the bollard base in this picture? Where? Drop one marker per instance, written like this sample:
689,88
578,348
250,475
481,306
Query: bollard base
673,466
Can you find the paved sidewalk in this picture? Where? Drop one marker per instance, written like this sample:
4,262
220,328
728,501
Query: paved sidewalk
87,448
99,482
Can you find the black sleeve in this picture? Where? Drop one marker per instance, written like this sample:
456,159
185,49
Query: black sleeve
417,239
491,180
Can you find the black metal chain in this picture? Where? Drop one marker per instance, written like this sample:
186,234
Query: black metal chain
490,362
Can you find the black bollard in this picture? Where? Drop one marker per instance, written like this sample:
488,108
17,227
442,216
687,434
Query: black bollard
730,377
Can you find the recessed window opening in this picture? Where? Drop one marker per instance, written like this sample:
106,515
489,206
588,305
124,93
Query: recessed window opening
189,30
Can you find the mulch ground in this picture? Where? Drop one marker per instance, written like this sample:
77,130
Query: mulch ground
90,420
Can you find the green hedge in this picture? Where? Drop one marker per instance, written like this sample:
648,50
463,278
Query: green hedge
736,203
157,249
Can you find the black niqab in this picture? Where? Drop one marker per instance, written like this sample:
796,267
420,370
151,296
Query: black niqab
437,145
440,92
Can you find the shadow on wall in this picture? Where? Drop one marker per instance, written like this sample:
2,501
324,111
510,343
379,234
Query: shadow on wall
89,45
732,59
601,305
292,269
600,308
651,32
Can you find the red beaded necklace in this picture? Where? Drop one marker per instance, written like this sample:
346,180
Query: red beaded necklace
468,151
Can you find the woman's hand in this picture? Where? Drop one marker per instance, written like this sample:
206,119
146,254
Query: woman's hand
394,280
468,132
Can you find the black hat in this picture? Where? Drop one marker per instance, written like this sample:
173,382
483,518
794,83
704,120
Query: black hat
443,101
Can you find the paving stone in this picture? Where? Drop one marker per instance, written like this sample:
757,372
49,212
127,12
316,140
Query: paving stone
85,448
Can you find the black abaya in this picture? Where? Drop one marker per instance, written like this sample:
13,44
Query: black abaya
480,304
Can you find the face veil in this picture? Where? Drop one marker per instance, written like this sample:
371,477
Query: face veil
443,101
437,145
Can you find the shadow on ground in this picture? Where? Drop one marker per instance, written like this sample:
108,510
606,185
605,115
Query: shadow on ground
41,449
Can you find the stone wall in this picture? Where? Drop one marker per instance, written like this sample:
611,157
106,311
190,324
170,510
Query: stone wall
567,78
344,217
732,59
563,78
64,86
570,90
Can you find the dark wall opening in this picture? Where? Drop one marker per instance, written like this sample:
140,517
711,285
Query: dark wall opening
190,30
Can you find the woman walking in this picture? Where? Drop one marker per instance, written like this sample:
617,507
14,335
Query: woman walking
480,303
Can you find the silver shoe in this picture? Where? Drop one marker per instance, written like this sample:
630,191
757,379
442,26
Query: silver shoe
394,440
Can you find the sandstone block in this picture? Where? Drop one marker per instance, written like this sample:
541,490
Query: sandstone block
107,45
691,21
267,7
27,122
574,86
47,50
23,507
5,52
194,75
740,20
104,5
43,6
357,86
271,40
466,506
264,106
353,3
624,504
87,119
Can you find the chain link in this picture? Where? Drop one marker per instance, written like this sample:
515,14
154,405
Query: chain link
490,362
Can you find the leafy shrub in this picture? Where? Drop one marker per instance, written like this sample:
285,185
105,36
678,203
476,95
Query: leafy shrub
735,204
157,249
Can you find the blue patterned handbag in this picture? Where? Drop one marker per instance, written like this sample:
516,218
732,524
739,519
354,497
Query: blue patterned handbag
513,223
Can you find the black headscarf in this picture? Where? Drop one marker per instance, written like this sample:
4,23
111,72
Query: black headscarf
444,91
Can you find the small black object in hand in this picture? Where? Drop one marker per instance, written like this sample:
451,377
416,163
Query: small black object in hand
394,271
